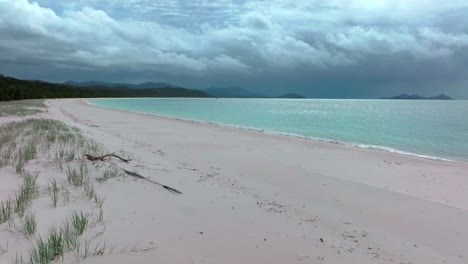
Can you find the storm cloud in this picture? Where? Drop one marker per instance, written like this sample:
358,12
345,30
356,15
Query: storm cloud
325,48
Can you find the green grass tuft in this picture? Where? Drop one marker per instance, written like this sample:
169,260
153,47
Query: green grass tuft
88,189
75,177
109,174
65,195
26,194
55,243
40,253
54,192
70,237
29,225
6,211
79,222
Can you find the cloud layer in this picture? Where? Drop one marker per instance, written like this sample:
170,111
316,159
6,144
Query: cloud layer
364,43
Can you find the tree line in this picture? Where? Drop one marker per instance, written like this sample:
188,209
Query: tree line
15,89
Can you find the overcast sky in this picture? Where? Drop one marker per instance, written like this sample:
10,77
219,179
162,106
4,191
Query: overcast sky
325,48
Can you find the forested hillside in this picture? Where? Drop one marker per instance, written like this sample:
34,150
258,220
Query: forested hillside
15,89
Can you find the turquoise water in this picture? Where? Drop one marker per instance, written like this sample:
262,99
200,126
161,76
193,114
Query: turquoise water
436,129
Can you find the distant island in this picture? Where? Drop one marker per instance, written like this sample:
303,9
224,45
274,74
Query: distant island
419,97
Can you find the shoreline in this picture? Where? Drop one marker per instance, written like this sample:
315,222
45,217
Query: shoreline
377,154
360,146
248,197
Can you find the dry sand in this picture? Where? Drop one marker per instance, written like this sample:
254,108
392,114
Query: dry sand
250,197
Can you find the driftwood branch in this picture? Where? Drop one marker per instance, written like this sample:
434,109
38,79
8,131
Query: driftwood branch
138,176
133,174
102,158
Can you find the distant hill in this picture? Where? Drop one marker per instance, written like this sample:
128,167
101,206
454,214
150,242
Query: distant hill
128,85
441,97
419,97
16,89
231,92
292,96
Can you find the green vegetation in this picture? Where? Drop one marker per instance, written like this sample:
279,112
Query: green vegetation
110,173
22,141
42,253
6,210
88,189
51,143
15,89
100,216
76,177
65,195
29,225
54,192
26,194
57,241
70,237
21,202
99,203
47,249
79,222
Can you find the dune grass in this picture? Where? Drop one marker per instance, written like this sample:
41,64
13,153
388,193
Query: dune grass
70,236
6,210
59,240
78,177
99,201
22,108
28,225
100,215
23,141
63,147
26,194
88,189
110,173
22,200
65,195
79,222
54,192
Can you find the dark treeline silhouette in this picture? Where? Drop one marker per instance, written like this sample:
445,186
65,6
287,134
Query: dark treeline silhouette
15,89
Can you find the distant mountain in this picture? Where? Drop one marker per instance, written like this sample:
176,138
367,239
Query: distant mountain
419,97
153,85
135,86
231,92
292,96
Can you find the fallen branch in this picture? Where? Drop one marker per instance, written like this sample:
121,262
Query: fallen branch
138,176
133,174
102,158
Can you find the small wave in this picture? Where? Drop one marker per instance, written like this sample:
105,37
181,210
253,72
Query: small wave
357,145
392,150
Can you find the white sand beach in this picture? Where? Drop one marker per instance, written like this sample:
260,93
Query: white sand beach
252,197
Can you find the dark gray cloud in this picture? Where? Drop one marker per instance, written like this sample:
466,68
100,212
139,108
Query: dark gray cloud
356,48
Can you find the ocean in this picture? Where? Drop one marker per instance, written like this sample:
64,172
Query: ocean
430,129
